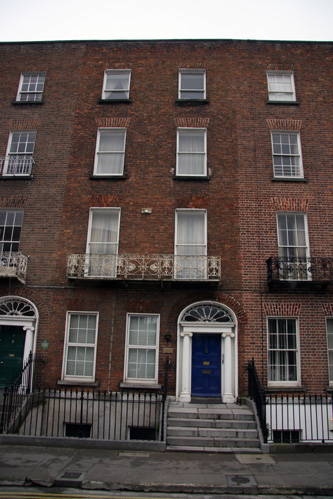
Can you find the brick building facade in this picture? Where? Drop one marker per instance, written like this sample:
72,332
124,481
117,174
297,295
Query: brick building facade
178,209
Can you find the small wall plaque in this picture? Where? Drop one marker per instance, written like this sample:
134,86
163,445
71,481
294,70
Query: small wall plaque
167,350
45,345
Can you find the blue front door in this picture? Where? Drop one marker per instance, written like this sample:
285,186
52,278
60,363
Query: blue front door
206,365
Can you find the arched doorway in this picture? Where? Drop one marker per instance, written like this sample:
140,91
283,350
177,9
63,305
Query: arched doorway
18,331
207,352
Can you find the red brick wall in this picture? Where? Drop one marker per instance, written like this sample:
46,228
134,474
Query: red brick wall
240,197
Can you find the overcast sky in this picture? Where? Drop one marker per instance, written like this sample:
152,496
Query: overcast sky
34,20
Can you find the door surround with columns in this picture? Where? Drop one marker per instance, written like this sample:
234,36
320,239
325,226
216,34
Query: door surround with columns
18,311
207,317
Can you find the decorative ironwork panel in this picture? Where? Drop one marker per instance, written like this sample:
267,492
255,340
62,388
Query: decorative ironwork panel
144,267
13,265
17,164
300,269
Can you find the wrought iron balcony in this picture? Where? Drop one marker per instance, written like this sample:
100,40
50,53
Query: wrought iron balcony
144,267
302,273
13,264
16,165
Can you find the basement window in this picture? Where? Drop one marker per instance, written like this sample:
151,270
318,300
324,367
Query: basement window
142,433
77,430
286,436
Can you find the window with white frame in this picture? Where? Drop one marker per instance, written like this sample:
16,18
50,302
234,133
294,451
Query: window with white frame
103,242
10,232
31,87
287,157
191,152
142,342
19,156
283,353
80,346
116,85
110,151
191,244
192,84
281,86
293,246
330,348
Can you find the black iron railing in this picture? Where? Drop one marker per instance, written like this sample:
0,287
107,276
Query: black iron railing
306,418
16,392
312,269
258,395
83,413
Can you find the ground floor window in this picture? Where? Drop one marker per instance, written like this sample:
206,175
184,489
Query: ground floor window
282,351
80,346
142,339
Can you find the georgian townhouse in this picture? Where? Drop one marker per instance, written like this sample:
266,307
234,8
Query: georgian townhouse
166,232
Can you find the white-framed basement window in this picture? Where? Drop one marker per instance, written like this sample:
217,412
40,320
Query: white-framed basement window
80,346
192,84
287,155
329,327
116,84
19,155
283,351
31,87
142,346
191,152
103,242
110,151
281,86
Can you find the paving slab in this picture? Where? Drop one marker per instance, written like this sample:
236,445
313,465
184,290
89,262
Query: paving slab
174,472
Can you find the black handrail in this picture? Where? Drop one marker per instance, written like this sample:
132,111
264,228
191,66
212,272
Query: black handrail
257,393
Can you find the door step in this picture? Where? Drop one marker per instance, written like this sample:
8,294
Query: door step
200,426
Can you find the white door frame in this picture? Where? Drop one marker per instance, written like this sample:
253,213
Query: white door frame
229,367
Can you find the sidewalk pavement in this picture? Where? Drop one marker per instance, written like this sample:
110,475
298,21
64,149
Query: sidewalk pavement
170,472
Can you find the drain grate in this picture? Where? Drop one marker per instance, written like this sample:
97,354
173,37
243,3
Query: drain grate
70,478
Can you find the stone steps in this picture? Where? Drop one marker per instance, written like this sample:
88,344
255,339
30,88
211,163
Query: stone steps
211,428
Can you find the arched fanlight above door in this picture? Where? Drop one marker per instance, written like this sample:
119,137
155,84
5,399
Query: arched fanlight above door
17,307
207,312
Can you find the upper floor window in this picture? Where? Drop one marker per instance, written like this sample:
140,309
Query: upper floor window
80,346
10,231
281,86
19,157
31,87
192,84
142,342
110,151
116,84
282,351
287,158
293,246
191,244
103,242
191,152
330,348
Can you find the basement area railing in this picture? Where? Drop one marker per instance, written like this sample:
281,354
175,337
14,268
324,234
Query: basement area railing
86,414
305,418
144,267
258,395
291,418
